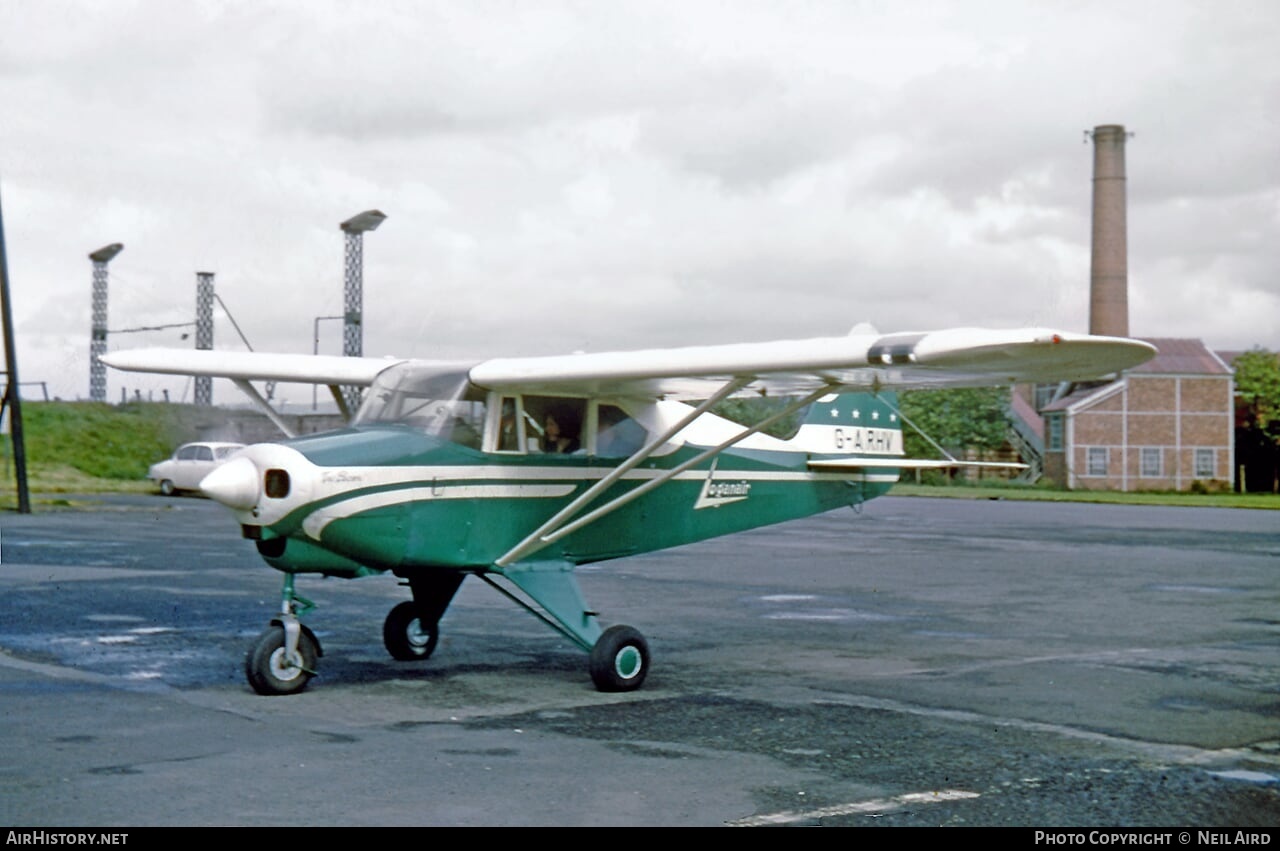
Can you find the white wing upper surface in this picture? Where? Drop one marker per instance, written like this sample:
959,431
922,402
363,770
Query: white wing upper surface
959,357
252,366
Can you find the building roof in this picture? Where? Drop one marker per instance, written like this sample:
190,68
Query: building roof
1176,356
1181,356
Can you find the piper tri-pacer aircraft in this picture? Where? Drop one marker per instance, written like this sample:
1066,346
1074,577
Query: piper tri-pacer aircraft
518,470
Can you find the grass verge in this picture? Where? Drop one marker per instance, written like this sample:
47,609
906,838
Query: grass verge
1030,492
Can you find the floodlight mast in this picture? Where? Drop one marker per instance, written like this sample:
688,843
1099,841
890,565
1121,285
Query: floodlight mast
98,333
353,291
204,334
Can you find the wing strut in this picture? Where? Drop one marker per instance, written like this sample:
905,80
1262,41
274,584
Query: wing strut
549,533
677,470
263,405
952,461
341,401
917,428
537,541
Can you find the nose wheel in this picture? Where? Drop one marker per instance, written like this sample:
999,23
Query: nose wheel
272,667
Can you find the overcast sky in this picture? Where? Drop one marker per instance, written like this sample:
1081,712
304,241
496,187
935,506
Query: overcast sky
613,175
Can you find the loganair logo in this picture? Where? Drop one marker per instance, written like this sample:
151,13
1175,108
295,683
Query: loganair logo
715,494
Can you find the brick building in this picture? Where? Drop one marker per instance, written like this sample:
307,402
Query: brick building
1161,426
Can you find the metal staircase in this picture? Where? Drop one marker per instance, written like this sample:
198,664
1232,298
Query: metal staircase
1026,436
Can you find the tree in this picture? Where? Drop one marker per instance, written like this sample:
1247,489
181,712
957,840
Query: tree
1257,374
750,410
1258,385
968,418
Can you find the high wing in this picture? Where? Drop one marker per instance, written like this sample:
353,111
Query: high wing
243,367
959,357
252,366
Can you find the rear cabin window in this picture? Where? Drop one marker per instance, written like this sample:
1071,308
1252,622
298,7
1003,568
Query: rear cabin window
617,434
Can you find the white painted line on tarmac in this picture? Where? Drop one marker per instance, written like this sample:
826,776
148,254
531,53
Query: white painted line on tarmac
879,805
117,639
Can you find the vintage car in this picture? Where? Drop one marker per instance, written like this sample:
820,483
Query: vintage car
190,463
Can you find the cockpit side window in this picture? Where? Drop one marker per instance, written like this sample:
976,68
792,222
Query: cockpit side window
437,401
555,425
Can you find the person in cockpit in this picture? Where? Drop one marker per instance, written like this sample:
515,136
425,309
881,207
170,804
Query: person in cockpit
556,437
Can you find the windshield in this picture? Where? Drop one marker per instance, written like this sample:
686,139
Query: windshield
436,400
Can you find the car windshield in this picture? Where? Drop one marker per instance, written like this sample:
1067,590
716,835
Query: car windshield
436,400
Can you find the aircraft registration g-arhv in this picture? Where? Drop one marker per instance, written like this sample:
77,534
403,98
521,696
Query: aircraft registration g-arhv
517,470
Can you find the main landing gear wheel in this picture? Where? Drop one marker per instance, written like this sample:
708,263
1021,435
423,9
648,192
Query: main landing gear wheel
404,636
269,668
620,659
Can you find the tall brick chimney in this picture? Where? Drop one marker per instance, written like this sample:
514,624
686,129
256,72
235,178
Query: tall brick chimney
1109,270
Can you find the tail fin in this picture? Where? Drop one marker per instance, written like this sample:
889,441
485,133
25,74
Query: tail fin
852,424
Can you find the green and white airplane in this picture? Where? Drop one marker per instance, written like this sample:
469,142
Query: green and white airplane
518,470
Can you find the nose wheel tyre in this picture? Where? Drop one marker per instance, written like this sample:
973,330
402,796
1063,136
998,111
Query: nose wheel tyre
404,636
269,668
620,659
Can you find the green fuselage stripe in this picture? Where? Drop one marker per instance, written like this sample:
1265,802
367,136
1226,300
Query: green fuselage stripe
467,510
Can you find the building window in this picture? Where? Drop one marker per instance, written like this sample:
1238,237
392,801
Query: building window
1054,424
1152,462
1206,463
1044,395
1097,461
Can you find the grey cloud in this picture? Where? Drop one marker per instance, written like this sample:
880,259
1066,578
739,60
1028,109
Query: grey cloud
754,136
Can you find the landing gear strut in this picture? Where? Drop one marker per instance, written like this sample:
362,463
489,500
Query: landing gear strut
412,629
618,657
283,658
